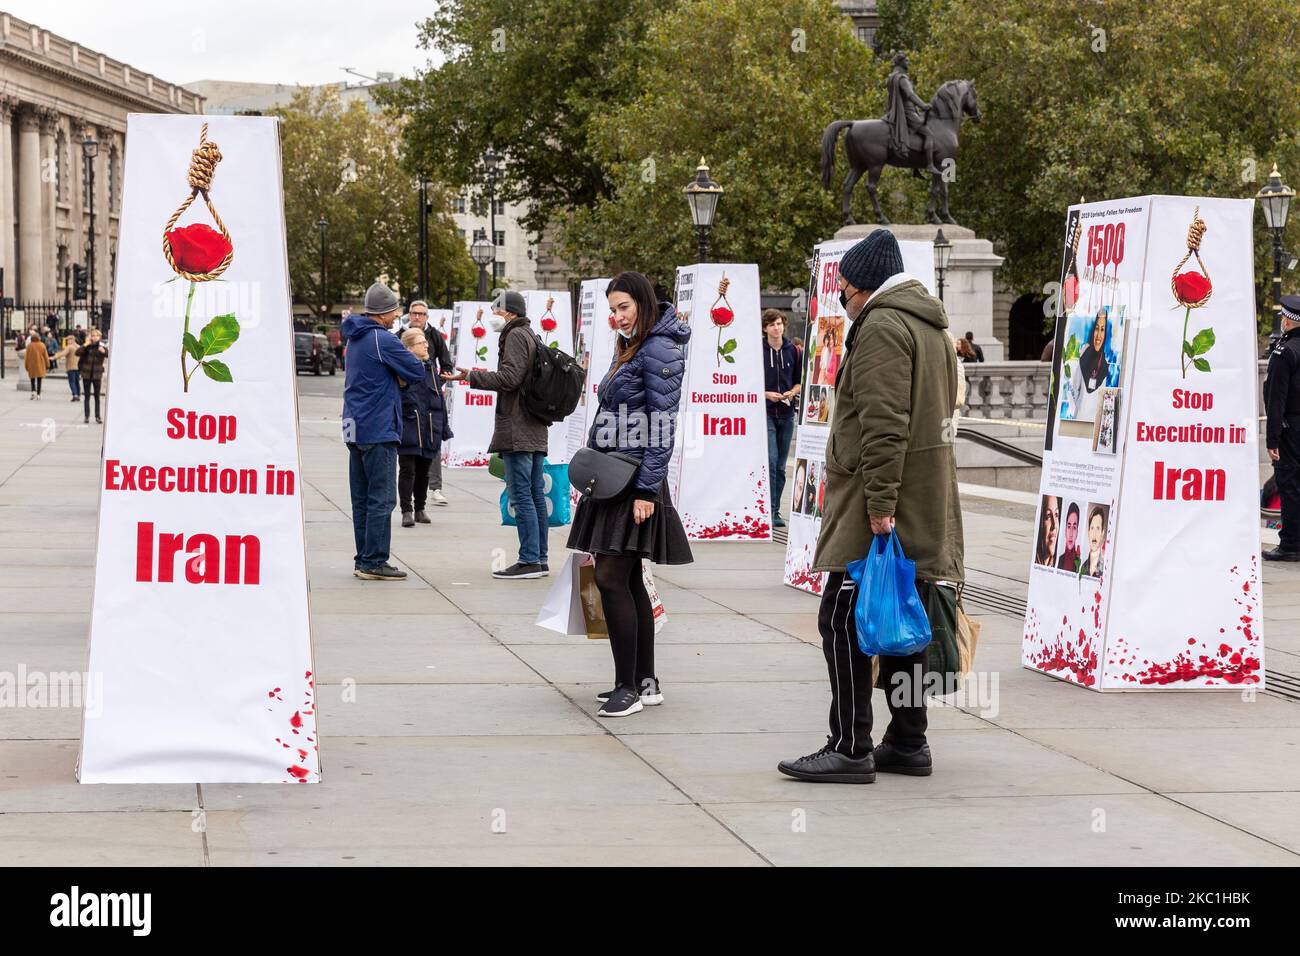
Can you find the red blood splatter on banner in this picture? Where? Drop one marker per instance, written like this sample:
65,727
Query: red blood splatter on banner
1209,665
744,525
297,772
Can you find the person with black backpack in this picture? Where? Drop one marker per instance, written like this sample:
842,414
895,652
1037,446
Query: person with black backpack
518,434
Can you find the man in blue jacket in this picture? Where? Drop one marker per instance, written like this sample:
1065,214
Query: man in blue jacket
372,427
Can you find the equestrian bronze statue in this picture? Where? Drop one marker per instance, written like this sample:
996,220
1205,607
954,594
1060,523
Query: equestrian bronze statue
913,135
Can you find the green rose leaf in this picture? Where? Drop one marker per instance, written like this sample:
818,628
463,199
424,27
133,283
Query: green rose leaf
192,346
219,334
730,358
217,371
1201,364
728,346
1187,350
1202,342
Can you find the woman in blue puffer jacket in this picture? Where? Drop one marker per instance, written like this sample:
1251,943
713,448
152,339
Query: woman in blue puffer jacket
637,417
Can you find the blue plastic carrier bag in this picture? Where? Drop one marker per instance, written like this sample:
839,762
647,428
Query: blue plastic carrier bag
888,613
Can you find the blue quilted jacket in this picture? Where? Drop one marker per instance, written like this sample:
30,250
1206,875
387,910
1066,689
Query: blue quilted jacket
638,402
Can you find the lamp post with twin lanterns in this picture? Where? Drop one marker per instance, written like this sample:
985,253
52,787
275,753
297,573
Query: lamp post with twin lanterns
90,149
702,193
1275,199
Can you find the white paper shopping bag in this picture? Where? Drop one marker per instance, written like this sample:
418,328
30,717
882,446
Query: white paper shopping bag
562,610
661,615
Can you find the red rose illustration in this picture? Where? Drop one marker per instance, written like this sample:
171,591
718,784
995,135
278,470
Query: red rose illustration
1190,288
198,247
478,331
612,323
1071,292
722,316
548,324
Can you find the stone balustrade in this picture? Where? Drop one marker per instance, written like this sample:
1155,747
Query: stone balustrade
1006,390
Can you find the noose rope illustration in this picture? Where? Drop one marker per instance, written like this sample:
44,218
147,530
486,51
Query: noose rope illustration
203,163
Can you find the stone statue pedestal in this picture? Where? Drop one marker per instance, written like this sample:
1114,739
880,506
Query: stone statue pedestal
967,283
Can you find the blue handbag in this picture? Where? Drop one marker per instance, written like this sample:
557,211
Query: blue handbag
888,612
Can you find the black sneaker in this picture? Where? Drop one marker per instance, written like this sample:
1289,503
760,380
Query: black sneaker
385,572
520,571
1277,554
915,762
408,520
422,518
830,766
622,703
651,694
546,568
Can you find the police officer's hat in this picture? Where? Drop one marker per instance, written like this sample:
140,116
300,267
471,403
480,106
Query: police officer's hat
1290,307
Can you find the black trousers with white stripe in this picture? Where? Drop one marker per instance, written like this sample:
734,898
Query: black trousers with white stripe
850,674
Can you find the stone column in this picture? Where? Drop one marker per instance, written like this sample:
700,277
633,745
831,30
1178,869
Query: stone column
31,247
8,262
50,204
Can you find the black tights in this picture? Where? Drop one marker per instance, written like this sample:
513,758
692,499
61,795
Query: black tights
629,617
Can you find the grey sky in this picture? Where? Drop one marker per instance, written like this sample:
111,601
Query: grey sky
268,41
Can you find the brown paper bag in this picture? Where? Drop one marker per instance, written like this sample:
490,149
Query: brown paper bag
968,639
593,612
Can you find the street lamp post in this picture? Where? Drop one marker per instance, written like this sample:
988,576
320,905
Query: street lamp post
90,148
423,228
1275,199
942,250
482,252
702,193
492,162
322,224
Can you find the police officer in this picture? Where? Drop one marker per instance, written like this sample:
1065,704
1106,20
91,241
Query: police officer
1282,434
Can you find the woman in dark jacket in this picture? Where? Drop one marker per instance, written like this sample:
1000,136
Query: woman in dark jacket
90,367
424,426
637,417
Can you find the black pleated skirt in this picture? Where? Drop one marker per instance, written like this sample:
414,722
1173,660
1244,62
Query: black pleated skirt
606,527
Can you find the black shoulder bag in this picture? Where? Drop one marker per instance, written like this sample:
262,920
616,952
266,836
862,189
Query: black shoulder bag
601,475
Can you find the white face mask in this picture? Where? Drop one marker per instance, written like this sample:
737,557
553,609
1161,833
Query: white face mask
628,336
496,322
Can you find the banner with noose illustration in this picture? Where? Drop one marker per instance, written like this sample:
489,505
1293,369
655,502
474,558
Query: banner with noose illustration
1144,572
472,412
200,636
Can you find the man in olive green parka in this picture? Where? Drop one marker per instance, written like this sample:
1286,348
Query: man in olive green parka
890,467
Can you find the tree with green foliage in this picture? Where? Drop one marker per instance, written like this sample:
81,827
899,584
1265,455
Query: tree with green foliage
342,163
749,85
1109,98
526,78
905,24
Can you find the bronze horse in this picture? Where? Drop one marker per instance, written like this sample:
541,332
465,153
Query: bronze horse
867,147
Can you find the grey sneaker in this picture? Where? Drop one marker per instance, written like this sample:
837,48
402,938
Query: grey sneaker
622,703
651,694
518,571
385,572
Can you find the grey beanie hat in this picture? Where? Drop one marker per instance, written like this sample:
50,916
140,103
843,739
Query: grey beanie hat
513,302
380,299
873,260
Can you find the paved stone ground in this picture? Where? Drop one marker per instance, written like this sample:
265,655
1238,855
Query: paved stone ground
467,715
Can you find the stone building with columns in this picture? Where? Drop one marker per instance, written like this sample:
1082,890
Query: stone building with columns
54,95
